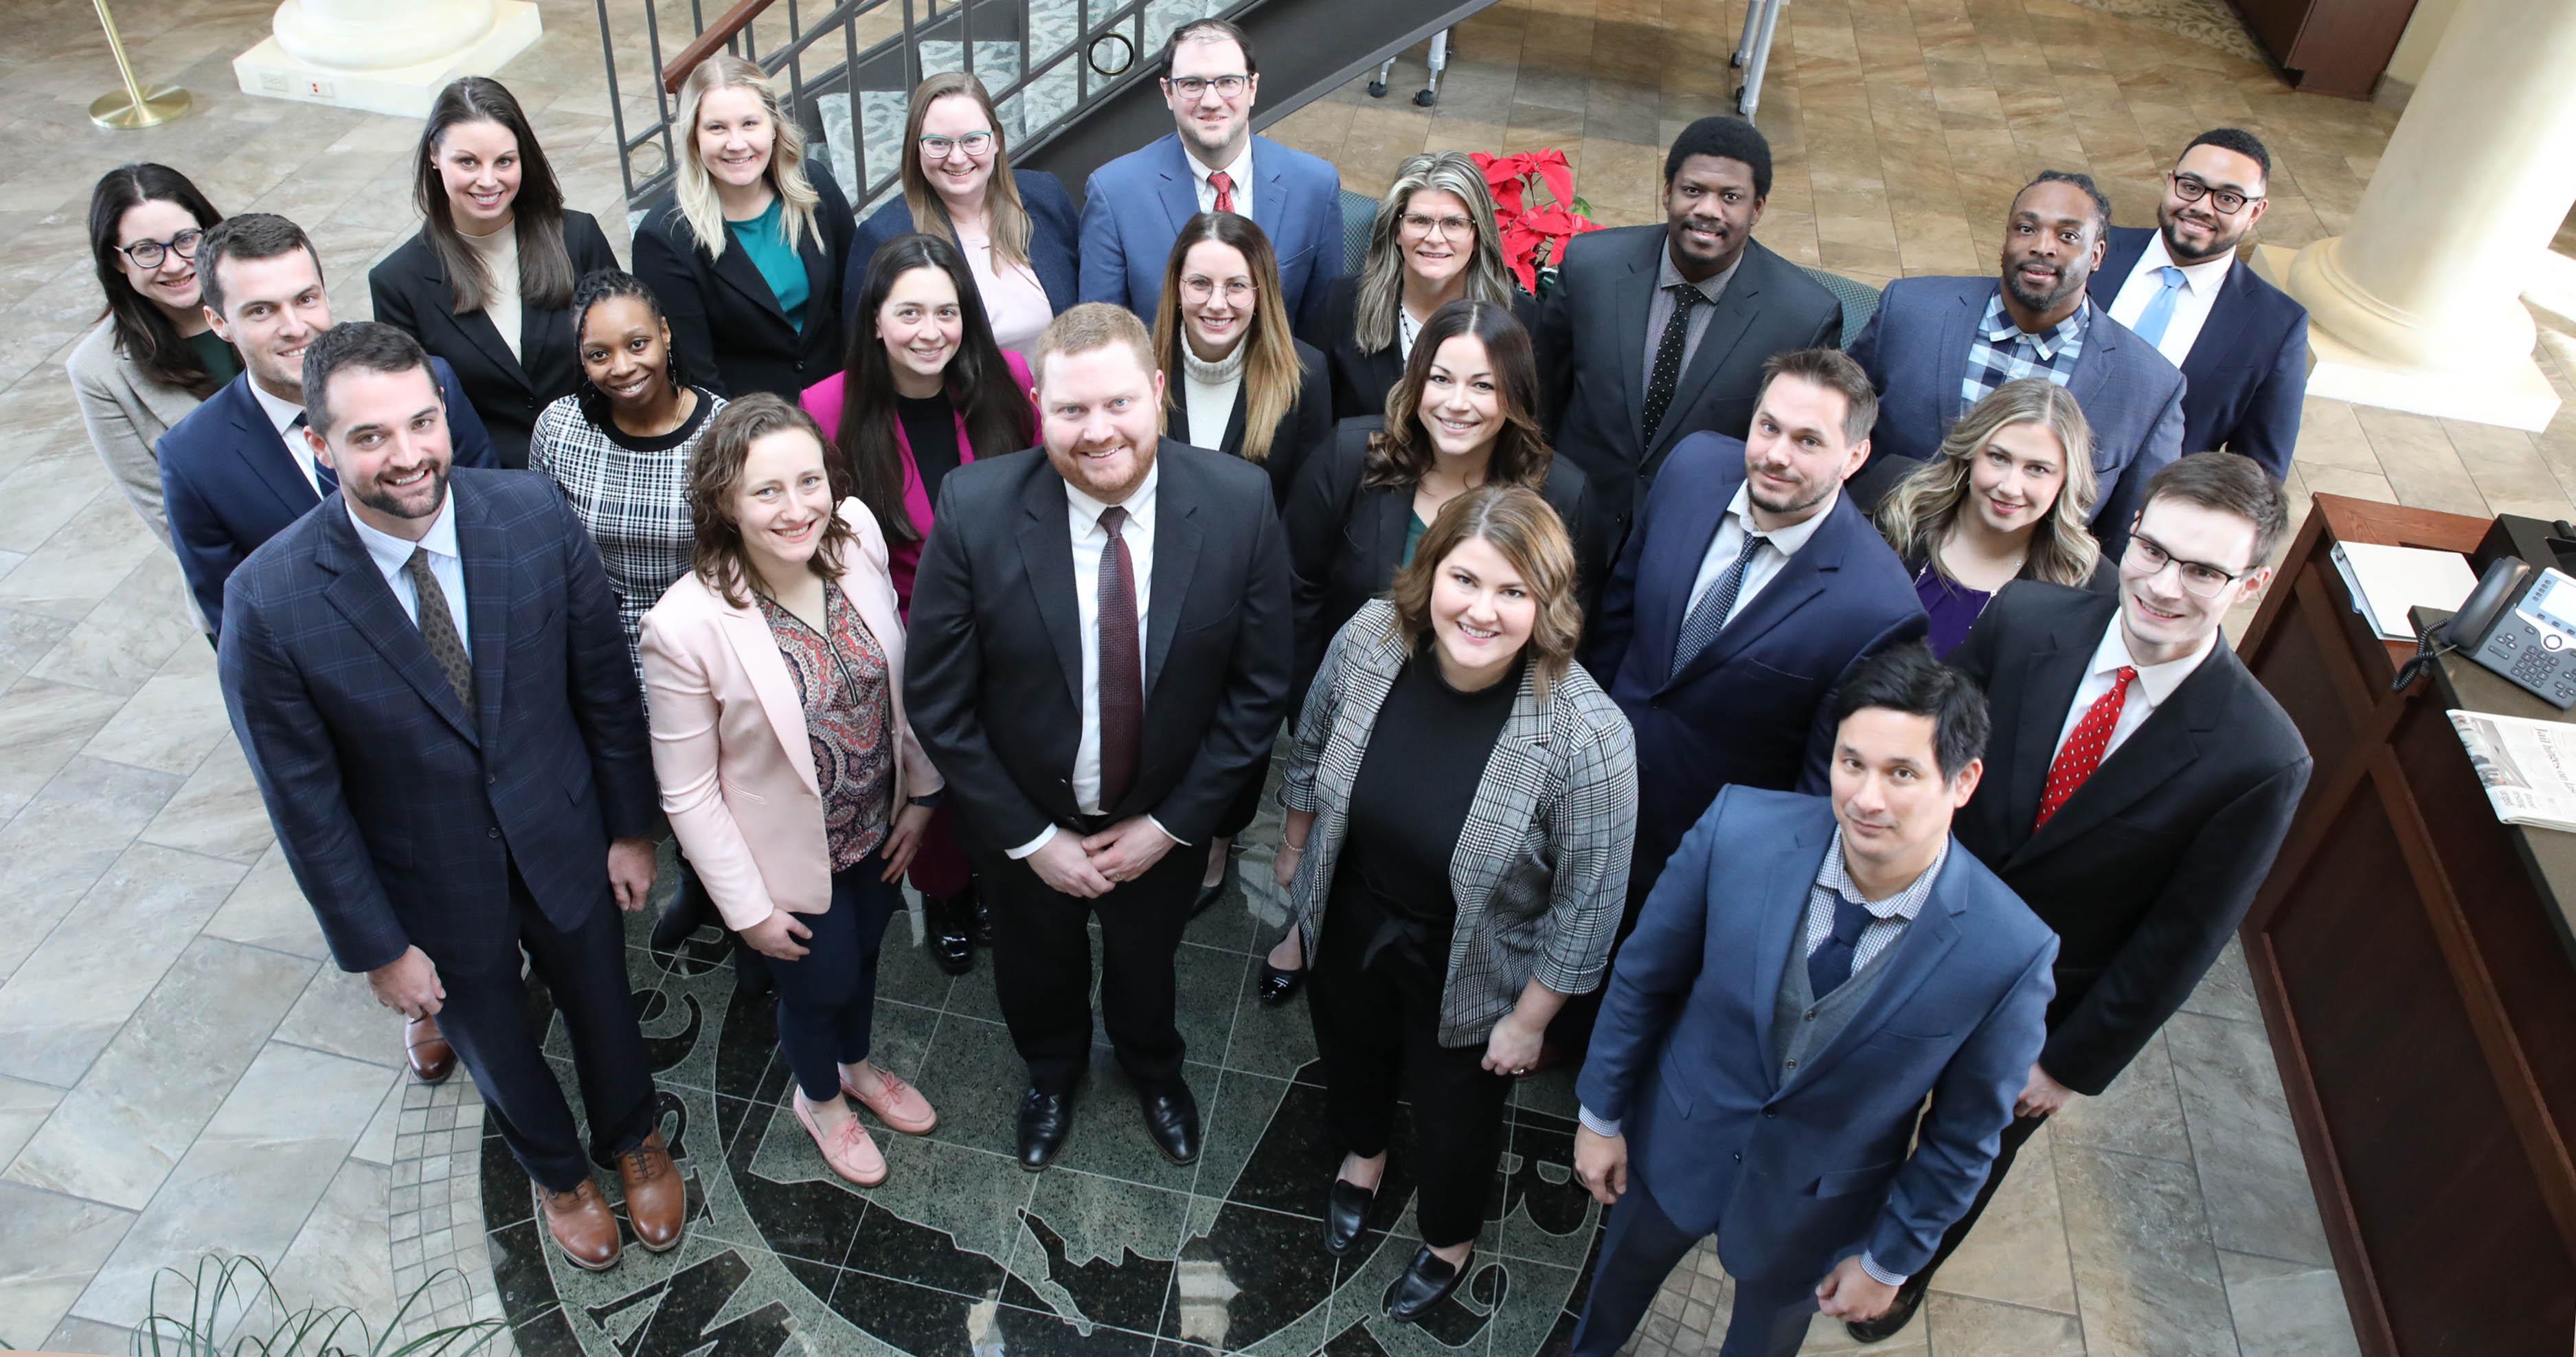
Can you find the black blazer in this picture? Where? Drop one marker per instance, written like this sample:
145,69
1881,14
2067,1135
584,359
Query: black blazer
1592,356
1346,540
410,293
1053,239
725,322
2246,377
1306,427
2147,869
1361,380
994,647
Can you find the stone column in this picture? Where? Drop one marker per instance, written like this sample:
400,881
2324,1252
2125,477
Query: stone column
381,57
2417,306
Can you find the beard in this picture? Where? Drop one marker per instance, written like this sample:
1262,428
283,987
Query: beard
2069,283
376,497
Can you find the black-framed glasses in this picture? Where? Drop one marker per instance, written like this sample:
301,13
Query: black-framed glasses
2191,189
1192,86
147,254
2200,578
973,144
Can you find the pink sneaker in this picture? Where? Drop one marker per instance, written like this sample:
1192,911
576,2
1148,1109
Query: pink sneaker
848,1152
897,1104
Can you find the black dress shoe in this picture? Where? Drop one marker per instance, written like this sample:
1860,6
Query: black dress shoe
1899,1313
1208,895
979,918
688,908
1045,1118
751,978
1278,986
1425,1282
1345,1211
944,918
1172,1123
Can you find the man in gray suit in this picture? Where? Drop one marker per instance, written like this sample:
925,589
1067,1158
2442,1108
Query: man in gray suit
1654,333
1939,345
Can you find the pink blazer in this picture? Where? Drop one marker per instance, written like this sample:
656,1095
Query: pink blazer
729,741
822,400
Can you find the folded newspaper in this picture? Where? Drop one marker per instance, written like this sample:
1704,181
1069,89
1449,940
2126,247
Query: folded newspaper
2528,767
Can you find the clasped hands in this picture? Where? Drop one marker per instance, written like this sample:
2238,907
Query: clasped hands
1091,867
409,983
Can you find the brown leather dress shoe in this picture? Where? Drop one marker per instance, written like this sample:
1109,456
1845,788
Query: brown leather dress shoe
432,1059
656,1196
581,1224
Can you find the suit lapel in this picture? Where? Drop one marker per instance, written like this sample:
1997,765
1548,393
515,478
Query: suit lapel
1270,192
1231,444
2127,243
748,633
2224,335
2155,753
1734,314
1680,571
1630,327
1176,560
361,595
1180,189
485,548
2094,366
1920,950
1490,841
734,266
1784,897
269,457
2049,676
1046,552
1958,334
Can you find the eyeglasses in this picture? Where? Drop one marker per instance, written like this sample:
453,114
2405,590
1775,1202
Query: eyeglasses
1191,86
1237,290
2191,190
147,254
2203,580
1447,228
973,144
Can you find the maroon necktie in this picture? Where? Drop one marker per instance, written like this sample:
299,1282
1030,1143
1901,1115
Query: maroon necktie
1223,183
2084,746
1122,666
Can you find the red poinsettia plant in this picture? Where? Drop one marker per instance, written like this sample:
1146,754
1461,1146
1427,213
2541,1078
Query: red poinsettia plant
1534,231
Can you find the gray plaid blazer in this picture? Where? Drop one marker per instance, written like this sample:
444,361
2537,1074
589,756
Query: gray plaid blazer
1541,871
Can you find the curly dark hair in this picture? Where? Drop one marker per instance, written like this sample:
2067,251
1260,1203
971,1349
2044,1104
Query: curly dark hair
720,557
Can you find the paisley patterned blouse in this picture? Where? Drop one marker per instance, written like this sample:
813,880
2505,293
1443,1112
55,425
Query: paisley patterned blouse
849,718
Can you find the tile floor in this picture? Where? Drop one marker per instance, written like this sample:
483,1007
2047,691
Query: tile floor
182,1070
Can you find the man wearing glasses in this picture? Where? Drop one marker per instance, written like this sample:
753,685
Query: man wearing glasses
2137,784
2182,283
1133,207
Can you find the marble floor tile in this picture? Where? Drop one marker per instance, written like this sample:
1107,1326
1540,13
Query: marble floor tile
2287,1309
75,1334
74,992
24,1106
2250,1166
2228,990
2146,1278
2140,1113
66,838
376,1143
217,812
338,1013
47,1254
42,725
340,1256
169,725
2017,1253
129,635
81,562
1963,1325
134,1114
267,909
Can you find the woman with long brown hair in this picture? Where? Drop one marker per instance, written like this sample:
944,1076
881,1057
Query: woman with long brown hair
1235,380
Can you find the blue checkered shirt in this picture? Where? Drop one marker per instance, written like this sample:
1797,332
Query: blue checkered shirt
2000,352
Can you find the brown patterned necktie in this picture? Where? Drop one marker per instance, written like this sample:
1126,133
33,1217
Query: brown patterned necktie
438,627
1122,666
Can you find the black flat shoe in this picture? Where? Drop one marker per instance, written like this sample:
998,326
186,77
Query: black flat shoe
689,907
1045,1118
1898,1314
944,920
1425,1282
1172,1123
1278,986
1346,1209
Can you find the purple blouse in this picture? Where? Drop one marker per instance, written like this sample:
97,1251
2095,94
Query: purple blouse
1952,606
849,718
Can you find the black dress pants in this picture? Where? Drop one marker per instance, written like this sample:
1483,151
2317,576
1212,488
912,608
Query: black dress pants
1042,967
486,1019
827,998
1377,1028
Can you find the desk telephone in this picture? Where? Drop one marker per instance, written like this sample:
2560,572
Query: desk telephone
2521,622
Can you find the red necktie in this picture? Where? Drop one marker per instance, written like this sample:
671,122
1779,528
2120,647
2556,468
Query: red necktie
1223,183
1122,678
2082,752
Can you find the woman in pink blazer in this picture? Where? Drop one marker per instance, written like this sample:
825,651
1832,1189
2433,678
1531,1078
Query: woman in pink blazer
788,769
925,390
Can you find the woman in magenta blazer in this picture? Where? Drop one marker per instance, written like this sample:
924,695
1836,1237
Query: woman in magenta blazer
789,771
925,391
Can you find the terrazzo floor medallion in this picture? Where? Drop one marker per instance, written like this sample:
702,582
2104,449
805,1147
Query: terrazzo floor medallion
959,1253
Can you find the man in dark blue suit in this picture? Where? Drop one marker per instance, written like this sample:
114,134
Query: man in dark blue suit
2241,343
433,691
1134,206
235,472
1747,590
1939,345
1788,1001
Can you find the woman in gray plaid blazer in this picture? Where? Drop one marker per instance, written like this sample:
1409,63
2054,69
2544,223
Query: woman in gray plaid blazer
1460,800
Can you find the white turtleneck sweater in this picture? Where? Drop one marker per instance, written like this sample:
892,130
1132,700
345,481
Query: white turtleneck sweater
500,255
1208,391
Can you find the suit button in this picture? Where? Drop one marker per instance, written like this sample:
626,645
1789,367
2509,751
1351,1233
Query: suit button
1792,1065
1739,1159
1769,1115
494,780
492,833
1811,1015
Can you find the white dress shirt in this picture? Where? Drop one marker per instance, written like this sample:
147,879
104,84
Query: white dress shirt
1090,543
2154,683
391,554
283,414
1777,548
2200,285
1239,174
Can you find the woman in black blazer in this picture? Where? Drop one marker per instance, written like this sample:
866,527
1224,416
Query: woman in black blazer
747,255
487,283
1433,242
1221,334
1016,227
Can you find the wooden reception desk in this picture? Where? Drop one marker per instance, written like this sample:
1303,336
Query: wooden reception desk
2417,971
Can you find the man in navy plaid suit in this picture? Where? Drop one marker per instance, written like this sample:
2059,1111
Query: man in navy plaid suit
428,678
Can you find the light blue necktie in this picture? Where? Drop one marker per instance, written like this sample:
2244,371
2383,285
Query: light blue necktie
2159,313
1704,622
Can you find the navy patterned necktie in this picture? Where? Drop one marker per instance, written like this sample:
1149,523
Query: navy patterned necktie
438,626
1709,618
1122,666
1668,362
1831,963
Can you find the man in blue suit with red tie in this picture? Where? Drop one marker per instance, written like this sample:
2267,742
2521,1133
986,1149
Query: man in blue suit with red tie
1806,972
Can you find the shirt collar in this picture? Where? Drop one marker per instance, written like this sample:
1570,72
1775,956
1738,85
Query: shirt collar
1905,904
1239,173
2000,329
1785,540
391,553
2200,280
281,413
2158,680
1712,287
1139,506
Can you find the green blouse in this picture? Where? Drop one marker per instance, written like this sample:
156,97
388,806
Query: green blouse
764,238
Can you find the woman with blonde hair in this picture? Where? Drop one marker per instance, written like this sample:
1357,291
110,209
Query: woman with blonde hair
2006,498
1015,227
747,256
1433,242
1461,804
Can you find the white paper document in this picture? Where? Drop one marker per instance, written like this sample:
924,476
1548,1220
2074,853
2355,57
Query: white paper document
2386,581
2528,767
